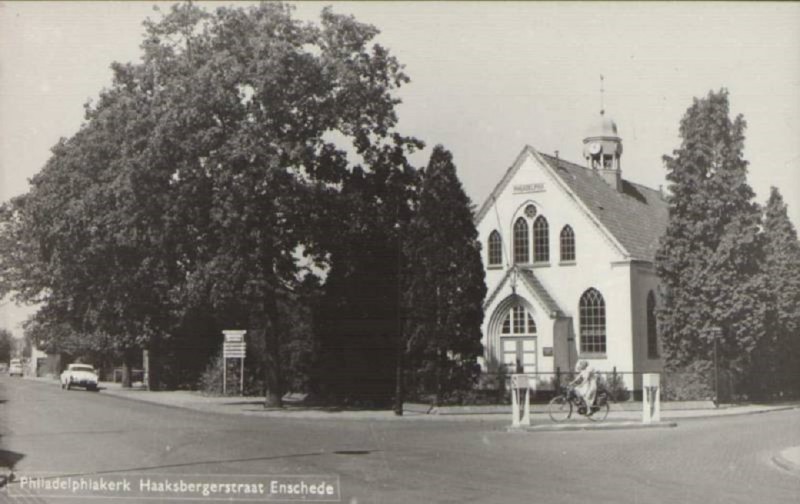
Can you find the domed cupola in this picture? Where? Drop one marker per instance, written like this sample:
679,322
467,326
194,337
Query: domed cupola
602,149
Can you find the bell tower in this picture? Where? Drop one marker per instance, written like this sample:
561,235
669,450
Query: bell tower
602,148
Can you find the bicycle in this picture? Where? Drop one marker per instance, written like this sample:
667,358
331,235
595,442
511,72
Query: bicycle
562,406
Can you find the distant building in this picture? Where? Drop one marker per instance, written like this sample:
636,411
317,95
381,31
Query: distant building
42,363
569,254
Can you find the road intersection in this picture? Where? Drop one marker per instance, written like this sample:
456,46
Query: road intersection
724,459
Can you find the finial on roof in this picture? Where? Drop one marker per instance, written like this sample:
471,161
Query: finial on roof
602,91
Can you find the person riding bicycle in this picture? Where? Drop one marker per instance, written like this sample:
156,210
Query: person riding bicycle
585,385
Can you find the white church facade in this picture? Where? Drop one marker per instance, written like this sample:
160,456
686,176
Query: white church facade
569,256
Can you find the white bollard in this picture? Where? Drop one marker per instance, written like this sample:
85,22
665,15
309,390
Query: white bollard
521,382
651,398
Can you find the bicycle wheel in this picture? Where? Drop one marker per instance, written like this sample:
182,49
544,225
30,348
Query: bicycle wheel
601,413
559,409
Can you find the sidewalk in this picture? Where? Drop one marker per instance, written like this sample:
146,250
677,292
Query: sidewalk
622,412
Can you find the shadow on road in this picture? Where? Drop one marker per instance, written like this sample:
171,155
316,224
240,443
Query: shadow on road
8,459
189,464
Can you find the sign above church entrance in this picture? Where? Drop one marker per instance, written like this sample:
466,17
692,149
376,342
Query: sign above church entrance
528,188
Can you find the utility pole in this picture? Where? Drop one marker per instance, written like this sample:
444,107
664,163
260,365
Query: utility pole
399,392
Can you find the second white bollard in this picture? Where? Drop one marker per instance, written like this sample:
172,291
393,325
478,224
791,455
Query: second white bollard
651,398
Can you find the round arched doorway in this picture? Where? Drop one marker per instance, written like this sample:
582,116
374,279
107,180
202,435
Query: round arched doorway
515,337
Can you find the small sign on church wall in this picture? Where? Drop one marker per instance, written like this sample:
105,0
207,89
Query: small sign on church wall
528,188
547,351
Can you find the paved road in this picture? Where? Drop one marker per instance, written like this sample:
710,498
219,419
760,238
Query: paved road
721,460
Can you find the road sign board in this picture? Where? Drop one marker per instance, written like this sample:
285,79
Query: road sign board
234,350
234,336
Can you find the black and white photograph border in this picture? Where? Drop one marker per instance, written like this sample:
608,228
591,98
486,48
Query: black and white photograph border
379,252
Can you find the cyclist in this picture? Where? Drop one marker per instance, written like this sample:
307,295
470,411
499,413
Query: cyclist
585,385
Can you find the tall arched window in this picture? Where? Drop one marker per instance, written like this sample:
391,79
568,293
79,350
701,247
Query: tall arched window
518,341
567,244
593,322
652,327
495,249
521,251
541,240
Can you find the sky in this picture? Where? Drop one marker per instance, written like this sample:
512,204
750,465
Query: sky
486,79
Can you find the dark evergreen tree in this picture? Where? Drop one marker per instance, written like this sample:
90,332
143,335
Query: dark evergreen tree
445,287
779,351
709,259
357,319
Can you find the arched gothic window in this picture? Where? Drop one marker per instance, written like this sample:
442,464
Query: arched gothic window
652,327
521,250
541,240
495,249
593,322
567,244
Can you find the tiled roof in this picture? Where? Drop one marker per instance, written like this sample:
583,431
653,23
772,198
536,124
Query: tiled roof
636,217
535,285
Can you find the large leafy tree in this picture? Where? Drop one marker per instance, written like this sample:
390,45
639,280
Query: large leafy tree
21,274
201,176
709,259
445,280
779,351
255,97
94,227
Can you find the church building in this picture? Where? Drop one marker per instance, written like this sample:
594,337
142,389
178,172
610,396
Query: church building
569,253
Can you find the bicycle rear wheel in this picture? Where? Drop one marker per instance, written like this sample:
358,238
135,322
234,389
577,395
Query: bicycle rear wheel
559,409
601,414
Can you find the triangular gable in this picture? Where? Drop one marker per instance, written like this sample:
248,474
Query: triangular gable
500,187
532,285
512,171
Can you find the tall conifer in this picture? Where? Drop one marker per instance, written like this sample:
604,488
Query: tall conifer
445,279
780,350
709,259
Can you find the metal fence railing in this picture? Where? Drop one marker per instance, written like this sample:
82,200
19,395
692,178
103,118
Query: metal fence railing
494,387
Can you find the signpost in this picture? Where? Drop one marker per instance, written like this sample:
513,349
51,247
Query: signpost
234,347
521,382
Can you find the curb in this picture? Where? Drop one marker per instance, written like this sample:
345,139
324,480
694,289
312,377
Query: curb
591,427
415,415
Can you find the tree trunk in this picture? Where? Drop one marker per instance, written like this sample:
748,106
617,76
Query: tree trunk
153,353
439,378
398,390
273,394
127,365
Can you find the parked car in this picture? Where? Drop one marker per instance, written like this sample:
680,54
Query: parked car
15,367
79,375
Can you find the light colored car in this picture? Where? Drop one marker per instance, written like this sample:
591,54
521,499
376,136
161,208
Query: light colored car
15,367
79,375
